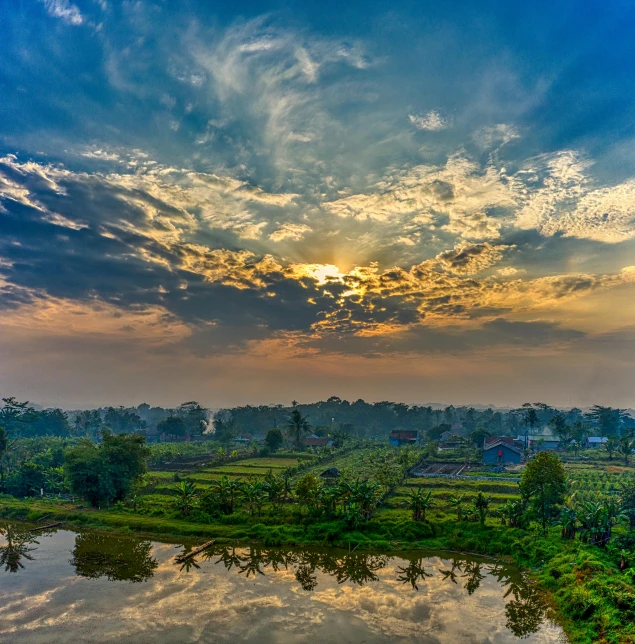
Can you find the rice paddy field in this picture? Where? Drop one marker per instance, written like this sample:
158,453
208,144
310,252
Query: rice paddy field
585,584
591,475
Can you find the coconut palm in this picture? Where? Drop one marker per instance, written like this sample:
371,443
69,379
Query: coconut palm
297,425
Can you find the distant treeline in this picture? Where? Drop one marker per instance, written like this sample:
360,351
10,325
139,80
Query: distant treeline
359,418
370,420
22,420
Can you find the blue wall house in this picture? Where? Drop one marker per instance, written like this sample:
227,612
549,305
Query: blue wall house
501,452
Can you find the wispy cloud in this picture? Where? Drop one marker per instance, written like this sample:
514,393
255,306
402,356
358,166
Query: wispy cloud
432,121
65,11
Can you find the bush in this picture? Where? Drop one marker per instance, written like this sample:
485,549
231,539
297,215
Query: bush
28,480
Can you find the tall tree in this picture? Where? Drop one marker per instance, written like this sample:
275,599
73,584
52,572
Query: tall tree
530,420
274,439
172,425
626,444
607,419
107,472
297,425
579,433
4,450
543,486
194,416
224,427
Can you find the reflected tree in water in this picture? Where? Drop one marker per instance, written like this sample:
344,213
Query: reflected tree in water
306,577
228,557
527,608
357,568
18,547
473,576
189,564
116,558
452,573
413,573
525,612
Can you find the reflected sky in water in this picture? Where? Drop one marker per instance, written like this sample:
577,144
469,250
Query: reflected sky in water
96,588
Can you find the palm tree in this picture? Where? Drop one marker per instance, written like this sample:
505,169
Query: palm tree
187,497
625,446
297,425
611,446
457,503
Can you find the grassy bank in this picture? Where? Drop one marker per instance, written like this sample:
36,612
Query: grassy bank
592,599
591,596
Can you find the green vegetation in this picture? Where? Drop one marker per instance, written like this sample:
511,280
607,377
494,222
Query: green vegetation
570,520
107,472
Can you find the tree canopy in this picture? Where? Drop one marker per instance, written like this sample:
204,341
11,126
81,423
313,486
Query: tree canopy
107,472
543,485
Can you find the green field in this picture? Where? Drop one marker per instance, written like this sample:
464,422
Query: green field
593,598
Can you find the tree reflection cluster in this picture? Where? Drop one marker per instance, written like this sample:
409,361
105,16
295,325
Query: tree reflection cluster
525,609
119,558
18,544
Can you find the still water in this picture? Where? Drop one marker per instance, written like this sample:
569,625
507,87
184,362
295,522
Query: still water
68,587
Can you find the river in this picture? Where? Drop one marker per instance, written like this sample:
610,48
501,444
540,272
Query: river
74,587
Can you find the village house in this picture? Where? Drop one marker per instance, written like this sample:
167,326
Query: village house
330,476
316,441
540,442
501,450
403,437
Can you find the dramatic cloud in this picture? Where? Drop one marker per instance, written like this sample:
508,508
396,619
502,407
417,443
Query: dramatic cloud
252,188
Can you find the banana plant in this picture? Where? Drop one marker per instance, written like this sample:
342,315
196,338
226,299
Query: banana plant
457,503
254,494
187,497
420,503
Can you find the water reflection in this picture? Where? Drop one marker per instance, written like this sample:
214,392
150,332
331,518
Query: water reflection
116,558
18,546
525,609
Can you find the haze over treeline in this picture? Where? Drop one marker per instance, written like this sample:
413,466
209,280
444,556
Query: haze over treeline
357,418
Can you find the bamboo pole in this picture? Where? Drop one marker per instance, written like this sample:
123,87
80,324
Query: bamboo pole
196,551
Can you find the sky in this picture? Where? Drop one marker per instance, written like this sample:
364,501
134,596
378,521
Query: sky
254,202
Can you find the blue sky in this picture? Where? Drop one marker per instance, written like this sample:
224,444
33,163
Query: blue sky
248,202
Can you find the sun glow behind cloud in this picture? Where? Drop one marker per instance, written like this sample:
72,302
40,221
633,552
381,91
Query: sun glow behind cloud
268,190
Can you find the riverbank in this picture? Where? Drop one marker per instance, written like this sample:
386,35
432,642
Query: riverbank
590,597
